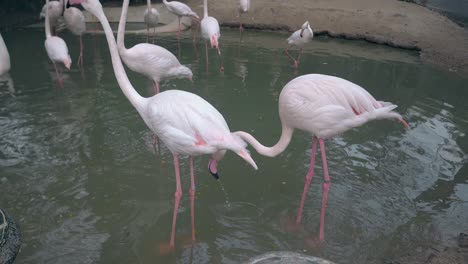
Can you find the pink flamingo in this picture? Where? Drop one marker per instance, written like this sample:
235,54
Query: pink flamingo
324,106
151,18
180,9
153,61
4,58
184,121
210,32
55,12
56,48
299,39
244,6
75,22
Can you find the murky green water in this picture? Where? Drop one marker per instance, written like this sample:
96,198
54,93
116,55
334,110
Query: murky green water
79,173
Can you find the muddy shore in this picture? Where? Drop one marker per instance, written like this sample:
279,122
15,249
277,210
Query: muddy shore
440,41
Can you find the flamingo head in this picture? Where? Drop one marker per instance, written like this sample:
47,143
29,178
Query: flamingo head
214,41
67,62
180,72
305,26
213,163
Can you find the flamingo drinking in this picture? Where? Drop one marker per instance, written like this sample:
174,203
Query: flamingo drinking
210,32
299,39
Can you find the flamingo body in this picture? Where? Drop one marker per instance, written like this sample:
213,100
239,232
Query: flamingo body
151,17
57,51
180,9
296,40
327,106
4,57
244,6
74,20
55,11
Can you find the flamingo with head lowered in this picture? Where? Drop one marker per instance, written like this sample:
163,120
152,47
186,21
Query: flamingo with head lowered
75,22
180,10
244,6
153,61
151,18
299,39
325,106
210,32
185,122
55,12
56,48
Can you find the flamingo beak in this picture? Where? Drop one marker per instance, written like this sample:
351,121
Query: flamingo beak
302,31
212,168
404,123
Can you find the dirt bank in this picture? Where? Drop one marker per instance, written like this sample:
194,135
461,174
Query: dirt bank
400,24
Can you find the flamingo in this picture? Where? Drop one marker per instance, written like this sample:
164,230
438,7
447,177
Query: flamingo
324,106
180,9
4,57
151,18
153,61
75,22
244,6
55,12
56,48
210,32
184,121
299,39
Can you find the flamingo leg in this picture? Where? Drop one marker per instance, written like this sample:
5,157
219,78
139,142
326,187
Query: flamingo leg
59,78
154,34
287,52
325,188
221,66
177,195
147,33
309,176
298,57
192,197
206,53
80,58
241,29
156,87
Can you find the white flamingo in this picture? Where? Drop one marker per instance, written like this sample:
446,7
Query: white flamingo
244,6
55,12
75,22
5,64
210,32
185,122
299,39
151,18
324,106
180,10
153,61
56,48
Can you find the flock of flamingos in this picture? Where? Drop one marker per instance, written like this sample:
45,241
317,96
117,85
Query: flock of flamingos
320,104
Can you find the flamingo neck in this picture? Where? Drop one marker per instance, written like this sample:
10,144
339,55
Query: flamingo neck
135,99
280,146
148,2
121,29
205,8
47,21
165,2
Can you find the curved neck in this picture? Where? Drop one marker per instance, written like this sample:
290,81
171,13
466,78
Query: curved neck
283,142
205,8
135,99
47,21
148,2
121,30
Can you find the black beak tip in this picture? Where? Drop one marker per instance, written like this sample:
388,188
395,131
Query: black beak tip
300,35
215,175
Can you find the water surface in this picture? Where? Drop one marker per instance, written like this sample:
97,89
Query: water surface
79,173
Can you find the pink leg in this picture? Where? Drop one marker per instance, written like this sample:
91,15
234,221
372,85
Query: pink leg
80,58
178,194
147,33
298,58
287,52
155,87
59,78
206,53
241,29
309,176
325,188
192,198
154,34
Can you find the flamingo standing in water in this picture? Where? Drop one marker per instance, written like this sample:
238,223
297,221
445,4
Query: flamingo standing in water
325,106
4,57
153,61
210,32
180,9
151,18
75,22
56,48
299,39
55,12
184,121
244,6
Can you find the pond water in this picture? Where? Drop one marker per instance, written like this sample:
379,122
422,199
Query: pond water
79,173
